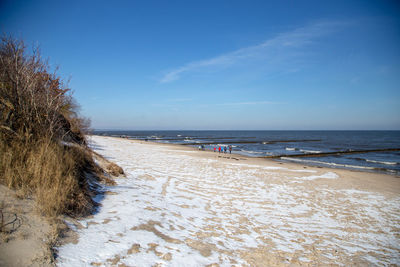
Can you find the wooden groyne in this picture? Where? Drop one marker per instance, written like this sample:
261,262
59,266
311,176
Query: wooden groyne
188,138
324,154
248,142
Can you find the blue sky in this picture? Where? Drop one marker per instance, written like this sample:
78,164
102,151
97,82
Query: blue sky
256,65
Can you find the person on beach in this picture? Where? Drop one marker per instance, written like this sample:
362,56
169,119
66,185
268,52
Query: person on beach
215,148
225,149
219,149
230,149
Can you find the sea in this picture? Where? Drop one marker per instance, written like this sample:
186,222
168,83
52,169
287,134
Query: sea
373,151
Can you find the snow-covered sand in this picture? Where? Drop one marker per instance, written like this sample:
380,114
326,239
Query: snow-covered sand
177,207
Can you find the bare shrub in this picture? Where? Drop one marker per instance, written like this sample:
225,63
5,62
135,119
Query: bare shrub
43,151
34,102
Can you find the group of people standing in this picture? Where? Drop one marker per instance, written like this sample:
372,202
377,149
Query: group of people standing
223,149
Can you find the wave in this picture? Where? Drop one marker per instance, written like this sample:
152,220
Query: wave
310,151
154,137
377,161
303,150
329,163
382,162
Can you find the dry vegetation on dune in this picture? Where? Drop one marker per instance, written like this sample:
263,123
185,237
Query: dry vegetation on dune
44,158
43,151
52,173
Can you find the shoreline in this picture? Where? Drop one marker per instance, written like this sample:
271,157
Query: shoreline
264,160
361,152
178,205
387,182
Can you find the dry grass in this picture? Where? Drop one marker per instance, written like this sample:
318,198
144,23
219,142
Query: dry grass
114,169
43,151
53,174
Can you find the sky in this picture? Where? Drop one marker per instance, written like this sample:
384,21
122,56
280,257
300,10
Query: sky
221,65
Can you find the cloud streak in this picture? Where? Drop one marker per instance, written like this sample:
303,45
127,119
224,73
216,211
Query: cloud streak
280,44
179,99
250,103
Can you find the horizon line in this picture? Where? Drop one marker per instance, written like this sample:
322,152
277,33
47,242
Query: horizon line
176,130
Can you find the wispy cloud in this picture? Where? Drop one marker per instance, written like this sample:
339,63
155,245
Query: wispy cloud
280,44
250,103
179,99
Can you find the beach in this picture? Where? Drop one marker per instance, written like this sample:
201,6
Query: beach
178,206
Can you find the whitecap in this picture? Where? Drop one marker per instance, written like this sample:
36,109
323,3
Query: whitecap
310,151
382,162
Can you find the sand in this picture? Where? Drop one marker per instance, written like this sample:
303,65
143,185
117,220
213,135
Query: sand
181,207
26,239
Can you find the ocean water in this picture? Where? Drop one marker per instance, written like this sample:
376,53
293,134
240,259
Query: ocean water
288,143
